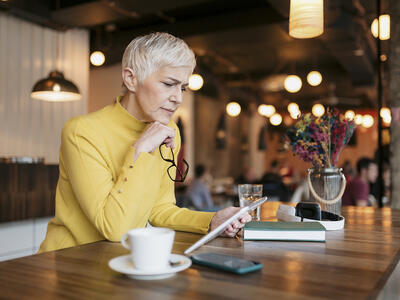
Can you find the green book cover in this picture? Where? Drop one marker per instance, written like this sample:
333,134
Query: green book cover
300,226
284,231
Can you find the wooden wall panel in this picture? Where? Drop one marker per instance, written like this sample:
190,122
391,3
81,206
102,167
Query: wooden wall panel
28,52
27,191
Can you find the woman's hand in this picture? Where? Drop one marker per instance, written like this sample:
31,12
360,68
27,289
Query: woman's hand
224,214
154,135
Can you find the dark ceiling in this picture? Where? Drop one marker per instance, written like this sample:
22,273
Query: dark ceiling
242,46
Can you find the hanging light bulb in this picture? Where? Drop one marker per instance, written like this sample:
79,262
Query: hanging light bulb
367,121
384,27
295,116
233,109
55,88
358,119
266,110
293,108
318,110
314,78
292,83
195,82
387,120
385,112
349,115
261,109
276,119
306,19
269,110
97,58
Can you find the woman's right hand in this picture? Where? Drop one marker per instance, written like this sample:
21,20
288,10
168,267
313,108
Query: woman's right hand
154,135
224,214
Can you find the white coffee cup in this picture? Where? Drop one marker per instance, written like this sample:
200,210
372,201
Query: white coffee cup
150,247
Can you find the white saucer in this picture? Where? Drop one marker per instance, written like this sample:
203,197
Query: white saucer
123,264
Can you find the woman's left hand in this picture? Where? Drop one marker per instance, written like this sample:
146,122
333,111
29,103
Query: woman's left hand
224,214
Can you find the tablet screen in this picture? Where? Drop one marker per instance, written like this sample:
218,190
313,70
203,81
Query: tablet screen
221,228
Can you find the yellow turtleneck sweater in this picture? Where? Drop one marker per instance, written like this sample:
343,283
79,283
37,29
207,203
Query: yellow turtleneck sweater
101,194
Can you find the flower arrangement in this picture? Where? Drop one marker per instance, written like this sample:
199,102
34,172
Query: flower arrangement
320,140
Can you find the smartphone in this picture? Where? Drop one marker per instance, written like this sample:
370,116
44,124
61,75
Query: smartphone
226,263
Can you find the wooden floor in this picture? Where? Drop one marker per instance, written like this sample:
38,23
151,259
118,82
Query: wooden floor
355,263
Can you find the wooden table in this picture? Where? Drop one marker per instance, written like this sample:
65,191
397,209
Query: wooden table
357,263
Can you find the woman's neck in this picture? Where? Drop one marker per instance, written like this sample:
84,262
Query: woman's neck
129,102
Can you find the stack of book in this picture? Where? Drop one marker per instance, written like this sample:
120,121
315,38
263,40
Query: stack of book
284,231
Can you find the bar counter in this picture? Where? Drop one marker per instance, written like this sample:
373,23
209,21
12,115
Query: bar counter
359,262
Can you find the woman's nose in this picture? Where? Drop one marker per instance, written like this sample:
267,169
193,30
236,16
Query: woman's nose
177,96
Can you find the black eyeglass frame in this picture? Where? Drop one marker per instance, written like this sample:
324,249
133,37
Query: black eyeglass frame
172,161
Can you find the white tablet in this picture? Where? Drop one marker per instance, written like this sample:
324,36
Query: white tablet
221,228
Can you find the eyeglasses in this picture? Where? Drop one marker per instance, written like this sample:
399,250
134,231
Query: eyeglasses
182,175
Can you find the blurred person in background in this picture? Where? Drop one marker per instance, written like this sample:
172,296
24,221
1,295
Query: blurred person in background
198,191
248,176
357,190
348,170
290,176
376,186
273,186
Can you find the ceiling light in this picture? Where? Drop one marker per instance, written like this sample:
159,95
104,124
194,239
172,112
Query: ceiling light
384,27
55,88
314,78
266,110
195,82
97,58
318,110
367,121
276,119
306,19
349,115
387,120
292,83
358,119
385,113
233,109
295,116
293,108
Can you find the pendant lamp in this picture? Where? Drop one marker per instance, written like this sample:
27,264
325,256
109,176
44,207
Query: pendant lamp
55,88
306,18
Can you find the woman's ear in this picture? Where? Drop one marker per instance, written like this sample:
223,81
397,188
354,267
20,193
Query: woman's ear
129,79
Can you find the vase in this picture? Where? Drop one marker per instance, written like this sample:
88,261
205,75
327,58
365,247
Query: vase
327,187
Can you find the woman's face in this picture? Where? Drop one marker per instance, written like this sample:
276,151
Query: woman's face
160,94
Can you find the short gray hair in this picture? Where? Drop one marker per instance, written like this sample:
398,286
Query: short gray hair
147,54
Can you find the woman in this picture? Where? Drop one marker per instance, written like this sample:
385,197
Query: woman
112,173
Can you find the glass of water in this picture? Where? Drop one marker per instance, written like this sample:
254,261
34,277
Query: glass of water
249,193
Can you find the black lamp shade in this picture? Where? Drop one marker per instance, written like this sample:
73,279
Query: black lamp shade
55,88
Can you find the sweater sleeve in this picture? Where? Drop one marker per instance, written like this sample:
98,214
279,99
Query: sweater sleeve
166,214
102,196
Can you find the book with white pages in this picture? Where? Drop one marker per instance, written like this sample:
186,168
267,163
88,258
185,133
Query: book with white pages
284,231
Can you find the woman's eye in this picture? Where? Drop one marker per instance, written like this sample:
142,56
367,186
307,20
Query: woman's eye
183,89
168,84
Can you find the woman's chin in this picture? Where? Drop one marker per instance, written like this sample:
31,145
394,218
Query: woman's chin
163,120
